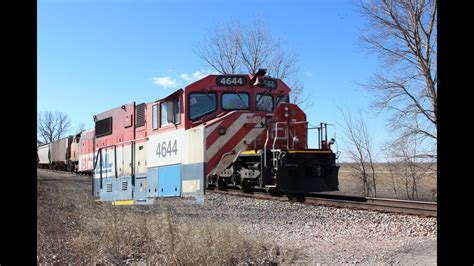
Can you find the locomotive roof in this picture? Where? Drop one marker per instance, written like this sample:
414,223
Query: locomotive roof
213,81
210,82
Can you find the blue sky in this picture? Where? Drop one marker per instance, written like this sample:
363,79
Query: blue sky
94,55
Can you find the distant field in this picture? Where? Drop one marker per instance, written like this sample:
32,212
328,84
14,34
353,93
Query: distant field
386,182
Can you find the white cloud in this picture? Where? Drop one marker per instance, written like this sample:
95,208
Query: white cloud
173,82
186,77
200,74
165,82
195,75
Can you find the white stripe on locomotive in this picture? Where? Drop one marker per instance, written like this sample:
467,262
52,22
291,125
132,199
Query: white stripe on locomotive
249,137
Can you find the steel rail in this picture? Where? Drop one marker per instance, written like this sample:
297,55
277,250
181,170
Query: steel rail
419,208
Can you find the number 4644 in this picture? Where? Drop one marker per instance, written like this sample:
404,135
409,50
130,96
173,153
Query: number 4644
166,149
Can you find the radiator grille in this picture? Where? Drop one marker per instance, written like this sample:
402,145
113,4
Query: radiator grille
140,115
109,187
124,185
103,127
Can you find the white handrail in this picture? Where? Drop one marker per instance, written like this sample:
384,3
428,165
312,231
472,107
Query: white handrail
265,150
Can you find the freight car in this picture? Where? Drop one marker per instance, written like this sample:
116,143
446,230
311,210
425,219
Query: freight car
44,156
56,155
65,154
222,130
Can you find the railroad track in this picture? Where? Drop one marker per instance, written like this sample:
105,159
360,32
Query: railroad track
420,208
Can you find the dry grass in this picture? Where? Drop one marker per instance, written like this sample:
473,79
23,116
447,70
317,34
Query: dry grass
389,184
73,228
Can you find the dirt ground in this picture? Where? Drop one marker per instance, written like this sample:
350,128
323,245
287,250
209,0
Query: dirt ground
419,254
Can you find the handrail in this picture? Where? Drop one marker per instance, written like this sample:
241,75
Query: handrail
275,138
225,154
123,142
99,151
295,123
265,150
237,156
276,133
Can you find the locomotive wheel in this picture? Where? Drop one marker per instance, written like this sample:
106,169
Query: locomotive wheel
273,191
221,185
245,186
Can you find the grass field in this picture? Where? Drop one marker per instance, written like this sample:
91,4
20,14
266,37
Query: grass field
73,228
389,185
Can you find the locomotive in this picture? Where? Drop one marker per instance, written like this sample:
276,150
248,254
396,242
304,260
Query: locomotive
222,130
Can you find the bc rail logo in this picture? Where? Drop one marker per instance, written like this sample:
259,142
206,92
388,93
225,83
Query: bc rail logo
87,161
105,166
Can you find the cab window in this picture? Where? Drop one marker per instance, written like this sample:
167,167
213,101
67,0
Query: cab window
154,113
264,102
176,111
282,99
201,104
235,101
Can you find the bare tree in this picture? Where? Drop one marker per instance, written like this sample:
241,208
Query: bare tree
220,48
360,151
231,48
403,34
52,126
406,169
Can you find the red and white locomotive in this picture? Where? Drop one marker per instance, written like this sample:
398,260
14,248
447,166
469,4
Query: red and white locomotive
223,130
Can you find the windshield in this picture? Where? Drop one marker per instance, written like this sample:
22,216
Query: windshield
282,99
201,104
233,101
264,102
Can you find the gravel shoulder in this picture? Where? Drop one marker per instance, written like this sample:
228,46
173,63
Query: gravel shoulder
315,234
423,253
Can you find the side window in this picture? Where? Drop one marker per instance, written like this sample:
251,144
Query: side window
176,111
235,101
264,102
201,104
164,114
154,114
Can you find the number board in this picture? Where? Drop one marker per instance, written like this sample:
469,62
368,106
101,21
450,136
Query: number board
231,80
269,83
